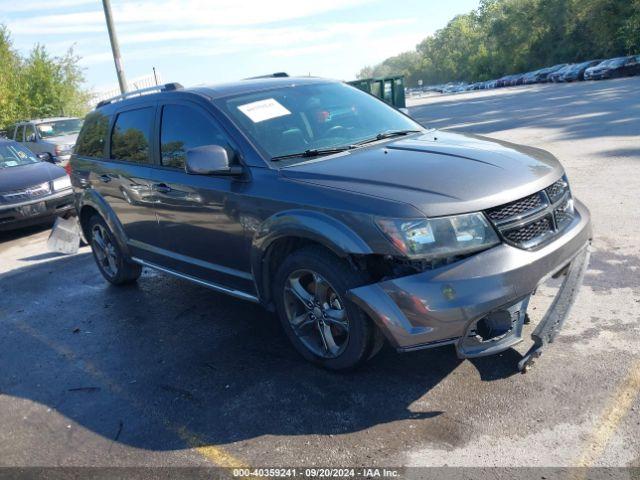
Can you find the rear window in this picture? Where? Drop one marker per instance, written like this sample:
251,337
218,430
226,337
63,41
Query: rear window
58,128
131,134
93,137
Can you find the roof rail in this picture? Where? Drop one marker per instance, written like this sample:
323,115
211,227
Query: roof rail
167,87
271,75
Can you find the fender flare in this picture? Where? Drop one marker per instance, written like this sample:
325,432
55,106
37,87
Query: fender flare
91,198
310,225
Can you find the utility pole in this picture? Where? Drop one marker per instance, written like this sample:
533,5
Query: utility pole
114,45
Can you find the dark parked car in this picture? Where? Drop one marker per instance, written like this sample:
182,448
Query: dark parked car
346,217
559,74
503,81
530,77
576,71
542,75
615,67
31,191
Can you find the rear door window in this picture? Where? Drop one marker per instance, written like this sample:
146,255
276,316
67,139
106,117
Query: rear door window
93,136
130,138
20,133
184,127
29,133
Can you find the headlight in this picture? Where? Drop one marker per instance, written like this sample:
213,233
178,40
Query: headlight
439,237
63,149
62,183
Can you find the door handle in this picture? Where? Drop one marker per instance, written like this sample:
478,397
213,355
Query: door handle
162,187
105,178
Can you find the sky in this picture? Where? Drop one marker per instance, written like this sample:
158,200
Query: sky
203,42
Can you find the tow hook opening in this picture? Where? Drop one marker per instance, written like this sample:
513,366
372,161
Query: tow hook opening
495,331
494,325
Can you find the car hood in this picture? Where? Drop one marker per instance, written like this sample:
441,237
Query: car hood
24,176
439,173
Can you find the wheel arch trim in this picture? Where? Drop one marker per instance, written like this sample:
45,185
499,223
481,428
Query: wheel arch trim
309,225
91,198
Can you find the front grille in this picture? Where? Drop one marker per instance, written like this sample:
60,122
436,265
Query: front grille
531,231
564,213
557,189
533,220
517,208
26,194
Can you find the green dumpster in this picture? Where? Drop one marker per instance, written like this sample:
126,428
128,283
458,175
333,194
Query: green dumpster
389,89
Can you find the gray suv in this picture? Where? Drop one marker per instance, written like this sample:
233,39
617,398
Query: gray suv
52,139
344,216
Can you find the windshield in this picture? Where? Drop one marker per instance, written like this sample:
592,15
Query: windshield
59,128
615,62
291,120
13,155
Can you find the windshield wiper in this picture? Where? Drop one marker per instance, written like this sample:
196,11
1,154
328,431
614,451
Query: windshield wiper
316,152
388,134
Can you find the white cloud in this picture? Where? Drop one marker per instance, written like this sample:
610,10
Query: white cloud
11,6
309,50
283,41
288,34
173,14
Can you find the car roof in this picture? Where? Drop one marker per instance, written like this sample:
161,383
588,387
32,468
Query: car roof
252,85
45,120
210,92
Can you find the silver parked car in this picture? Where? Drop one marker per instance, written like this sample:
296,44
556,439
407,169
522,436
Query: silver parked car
50,138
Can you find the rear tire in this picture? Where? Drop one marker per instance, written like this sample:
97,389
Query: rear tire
325,328
113,265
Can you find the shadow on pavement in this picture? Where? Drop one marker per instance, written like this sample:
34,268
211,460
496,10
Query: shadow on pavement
10,235
139,363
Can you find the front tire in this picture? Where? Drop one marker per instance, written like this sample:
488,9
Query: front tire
324,327
113,265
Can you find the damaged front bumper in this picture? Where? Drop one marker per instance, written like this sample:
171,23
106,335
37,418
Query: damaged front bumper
479,303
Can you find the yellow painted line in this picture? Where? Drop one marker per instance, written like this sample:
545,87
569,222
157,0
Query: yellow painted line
214,454
615,411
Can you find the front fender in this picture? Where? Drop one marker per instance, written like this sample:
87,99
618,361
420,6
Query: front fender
90,198
311,225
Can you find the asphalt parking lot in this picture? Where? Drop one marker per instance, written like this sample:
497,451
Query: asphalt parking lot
167,373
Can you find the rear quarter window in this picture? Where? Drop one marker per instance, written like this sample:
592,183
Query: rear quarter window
93,137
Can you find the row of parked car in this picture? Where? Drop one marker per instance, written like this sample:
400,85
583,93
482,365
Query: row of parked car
562,72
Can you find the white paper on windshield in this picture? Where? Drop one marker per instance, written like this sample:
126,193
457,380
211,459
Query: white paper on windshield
263,110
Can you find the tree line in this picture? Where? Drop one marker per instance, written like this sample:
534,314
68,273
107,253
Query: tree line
502,37
39,84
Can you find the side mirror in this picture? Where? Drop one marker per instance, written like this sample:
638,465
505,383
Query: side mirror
210,160
45,157
31,138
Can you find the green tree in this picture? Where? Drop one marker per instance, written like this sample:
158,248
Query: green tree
39,85
10,64
508,36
